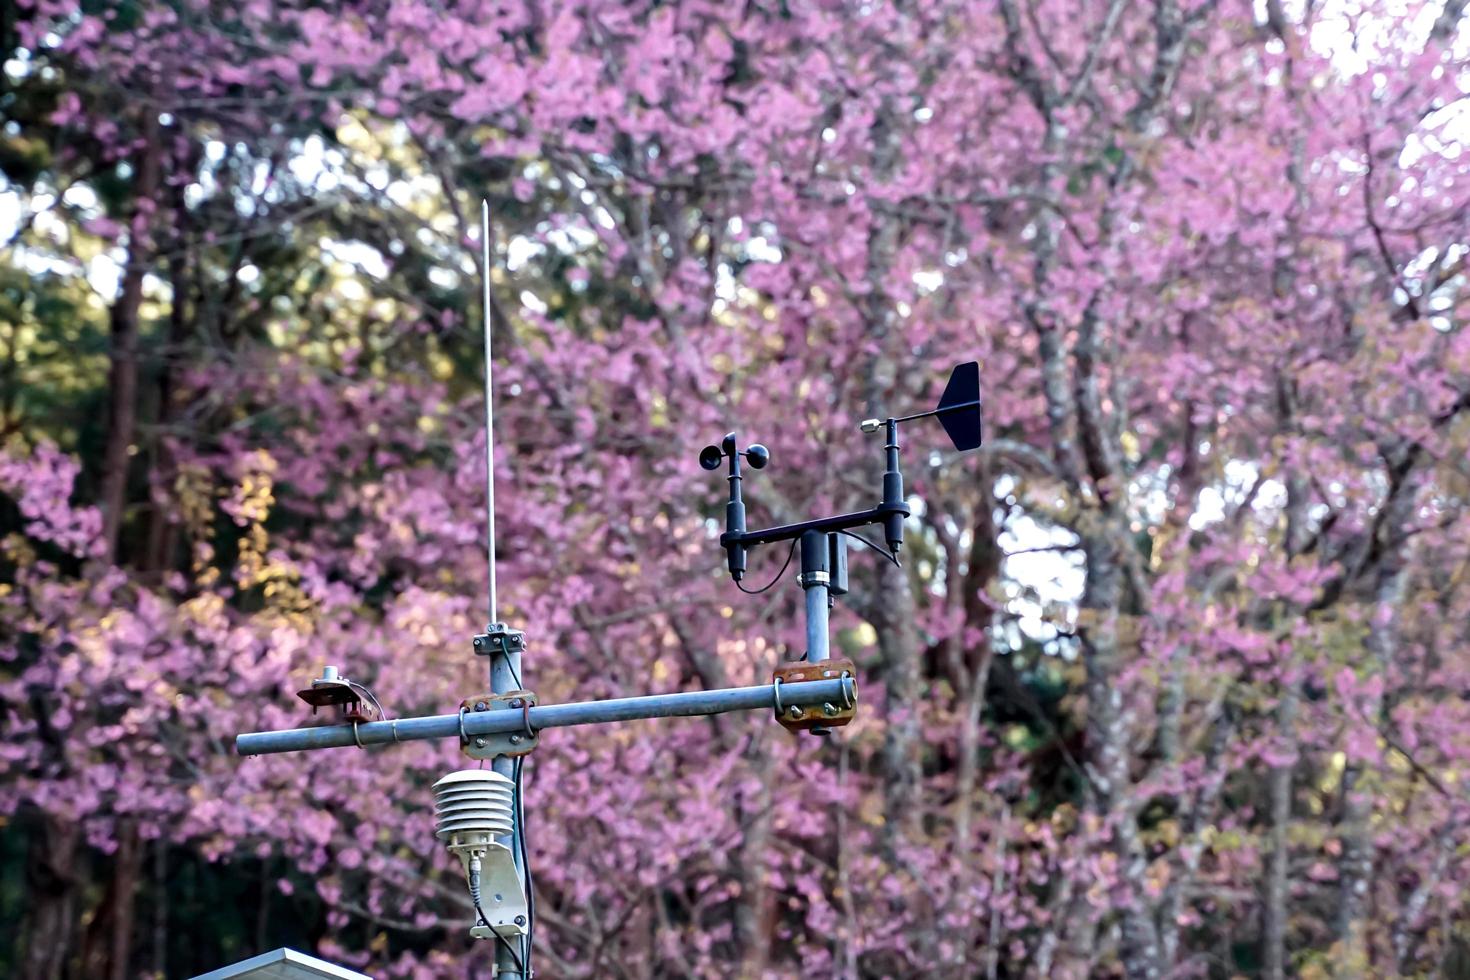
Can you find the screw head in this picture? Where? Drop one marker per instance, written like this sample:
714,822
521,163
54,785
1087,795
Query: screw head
520,920
829,709
515,702
794,712
479,742
515,740
481,706
479,641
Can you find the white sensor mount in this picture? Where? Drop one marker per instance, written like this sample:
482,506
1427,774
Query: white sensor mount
472,808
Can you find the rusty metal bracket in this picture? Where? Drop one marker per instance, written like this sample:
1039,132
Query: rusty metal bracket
494,744
354,703
816,717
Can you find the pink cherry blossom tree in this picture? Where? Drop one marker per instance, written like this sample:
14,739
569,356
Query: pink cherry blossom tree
1173,679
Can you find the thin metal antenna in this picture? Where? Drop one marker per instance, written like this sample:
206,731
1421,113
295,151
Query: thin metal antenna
489,404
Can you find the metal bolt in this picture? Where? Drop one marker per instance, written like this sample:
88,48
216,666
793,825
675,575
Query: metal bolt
829,709
479,742
479,642
515,740
515,702
481,706
794,712
520,920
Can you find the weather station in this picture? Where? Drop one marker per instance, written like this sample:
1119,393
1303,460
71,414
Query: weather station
480,813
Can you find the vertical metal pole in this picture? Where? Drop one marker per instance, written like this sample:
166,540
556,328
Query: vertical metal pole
816,622
816,578
816,582
505,666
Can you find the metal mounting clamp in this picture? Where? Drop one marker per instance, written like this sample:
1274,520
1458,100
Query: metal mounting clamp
493,744
499,638
816,717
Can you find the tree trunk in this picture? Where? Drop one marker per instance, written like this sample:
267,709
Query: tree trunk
902,760
122,378
163,525
755,911
51,888
1278,892
1358,852
108,944
1107,744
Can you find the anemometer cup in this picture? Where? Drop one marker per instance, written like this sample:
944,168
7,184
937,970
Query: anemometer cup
710,457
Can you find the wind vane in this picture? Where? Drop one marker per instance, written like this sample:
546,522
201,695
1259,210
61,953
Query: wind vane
481,814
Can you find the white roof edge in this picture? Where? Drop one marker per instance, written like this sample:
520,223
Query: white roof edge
283,964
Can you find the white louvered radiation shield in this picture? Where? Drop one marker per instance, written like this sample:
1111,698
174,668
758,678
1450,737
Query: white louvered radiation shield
472,808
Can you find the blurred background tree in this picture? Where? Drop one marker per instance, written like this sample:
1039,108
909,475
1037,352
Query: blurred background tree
1174,680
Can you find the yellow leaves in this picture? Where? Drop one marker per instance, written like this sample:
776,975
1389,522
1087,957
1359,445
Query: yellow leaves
1064,819
1166,832
440,366
16,341
194,498
1344,958
1123,628
1221,841
352,134
870,810
1156,877
17,547
1331,775
204,608
86,247
93,645
1107,870
1130,445
1306,835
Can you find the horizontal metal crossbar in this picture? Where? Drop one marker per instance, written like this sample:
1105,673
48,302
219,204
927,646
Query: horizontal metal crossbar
680,704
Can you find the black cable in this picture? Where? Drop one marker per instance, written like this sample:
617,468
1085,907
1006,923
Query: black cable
484,921
882,551
789,555
525,864
507,944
